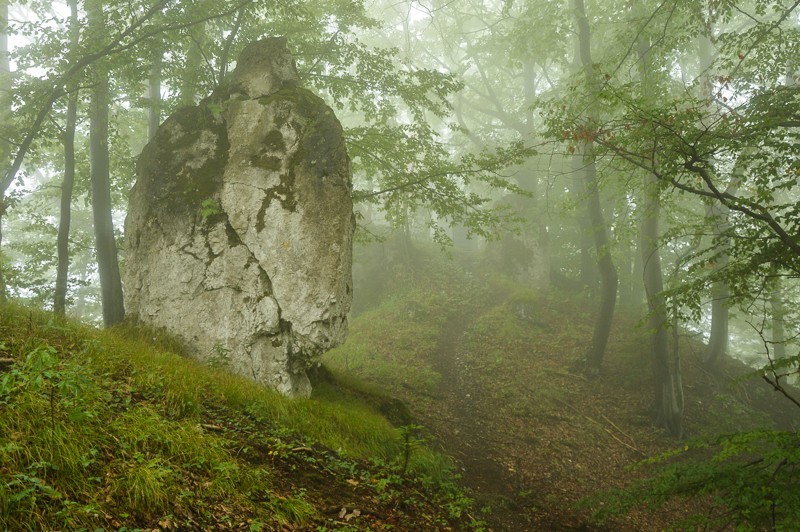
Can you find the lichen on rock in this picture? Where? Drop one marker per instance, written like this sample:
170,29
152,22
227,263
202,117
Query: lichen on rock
264,276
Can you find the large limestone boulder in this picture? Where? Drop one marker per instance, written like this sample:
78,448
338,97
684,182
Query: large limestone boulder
240,225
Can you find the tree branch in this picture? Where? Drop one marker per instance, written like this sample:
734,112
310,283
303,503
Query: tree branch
114,47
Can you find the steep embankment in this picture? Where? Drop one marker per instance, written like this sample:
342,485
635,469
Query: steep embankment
98,430
487,368
105,430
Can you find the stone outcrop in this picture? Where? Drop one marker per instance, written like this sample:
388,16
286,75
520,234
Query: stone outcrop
240,225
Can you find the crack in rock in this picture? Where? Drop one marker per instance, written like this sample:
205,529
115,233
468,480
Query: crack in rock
266,283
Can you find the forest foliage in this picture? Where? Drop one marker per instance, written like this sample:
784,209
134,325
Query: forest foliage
643,152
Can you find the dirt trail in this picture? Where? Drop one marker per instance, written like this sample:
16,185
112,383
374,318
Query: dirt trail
465,430
511,472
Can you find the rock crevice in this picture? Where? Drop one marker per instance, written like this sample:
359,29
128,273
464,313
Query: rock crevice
240,225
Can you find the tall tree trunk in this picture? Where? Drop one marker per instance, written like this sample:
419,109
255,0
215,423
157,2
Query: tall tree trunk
668,390
608,273
716,213
84,272
631,294
624,269
154,96
534,231
718,337
776,296
778,315
5,114
637,292
190,80
105,243
589,276
718,216
62,243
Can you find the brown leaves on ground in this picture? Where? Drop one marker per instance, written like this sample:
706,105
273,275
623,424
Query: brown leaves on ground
534,437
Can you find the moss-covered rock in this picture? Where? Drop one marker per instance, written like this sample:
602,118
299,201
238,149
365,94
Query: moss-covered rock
262,279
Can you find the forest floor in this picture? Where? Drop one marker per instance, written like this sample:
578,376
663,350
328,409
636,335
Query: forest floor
494,380
457,403
534,439
114,430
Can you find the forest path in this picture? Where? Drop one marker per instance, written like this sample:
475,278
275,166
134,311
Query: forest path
466,431
524,431
490,376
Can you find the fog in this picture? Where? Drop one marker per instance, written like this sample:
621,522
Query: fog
574,220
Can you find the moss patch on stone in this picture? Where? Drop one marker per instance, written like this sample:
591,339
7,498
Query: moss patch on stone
168,165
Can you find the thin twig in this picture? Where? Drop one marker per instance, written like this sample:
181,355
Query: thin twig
618,429
626,444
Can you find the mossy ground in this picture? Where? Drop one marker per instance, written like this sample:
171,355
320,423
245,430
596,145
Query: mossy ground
113,430
491,368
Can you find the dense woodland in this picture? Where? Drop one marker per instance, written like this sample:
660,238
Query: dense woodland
584,203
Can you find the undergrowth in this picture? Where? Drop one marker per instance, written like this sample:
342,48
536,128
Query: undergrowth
749,480
395,341
112,428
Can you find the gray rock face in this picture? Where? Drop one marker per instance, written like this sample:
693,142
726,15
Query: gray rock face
240,225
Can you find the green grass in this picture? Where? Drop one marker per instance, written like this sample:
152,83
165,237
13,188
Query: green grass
108,428
395,343
392,344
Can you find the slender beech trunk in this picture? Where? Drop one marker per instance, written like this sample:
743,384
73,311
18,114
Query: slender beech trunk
190,80
778,314
589,277
716,213
62,243
668,390
5,114
776,296
625,267
666,370
608,273
154,96
105,243
718,216
534,232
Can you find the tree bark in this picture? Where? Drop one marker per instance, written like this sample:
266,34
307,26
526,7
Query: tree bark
5,113
190,80
668,391
62,242
589,277
778,314
718,215
534,231
718,337
608,273
668,397
105,243
154,96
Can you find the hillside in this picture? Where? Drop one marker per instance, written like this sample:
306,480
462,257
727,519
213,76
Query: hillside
114,429
490,369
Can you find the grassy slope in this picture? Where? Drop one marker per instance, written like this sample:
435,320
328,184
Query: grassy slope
107,429
488,366
112,429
